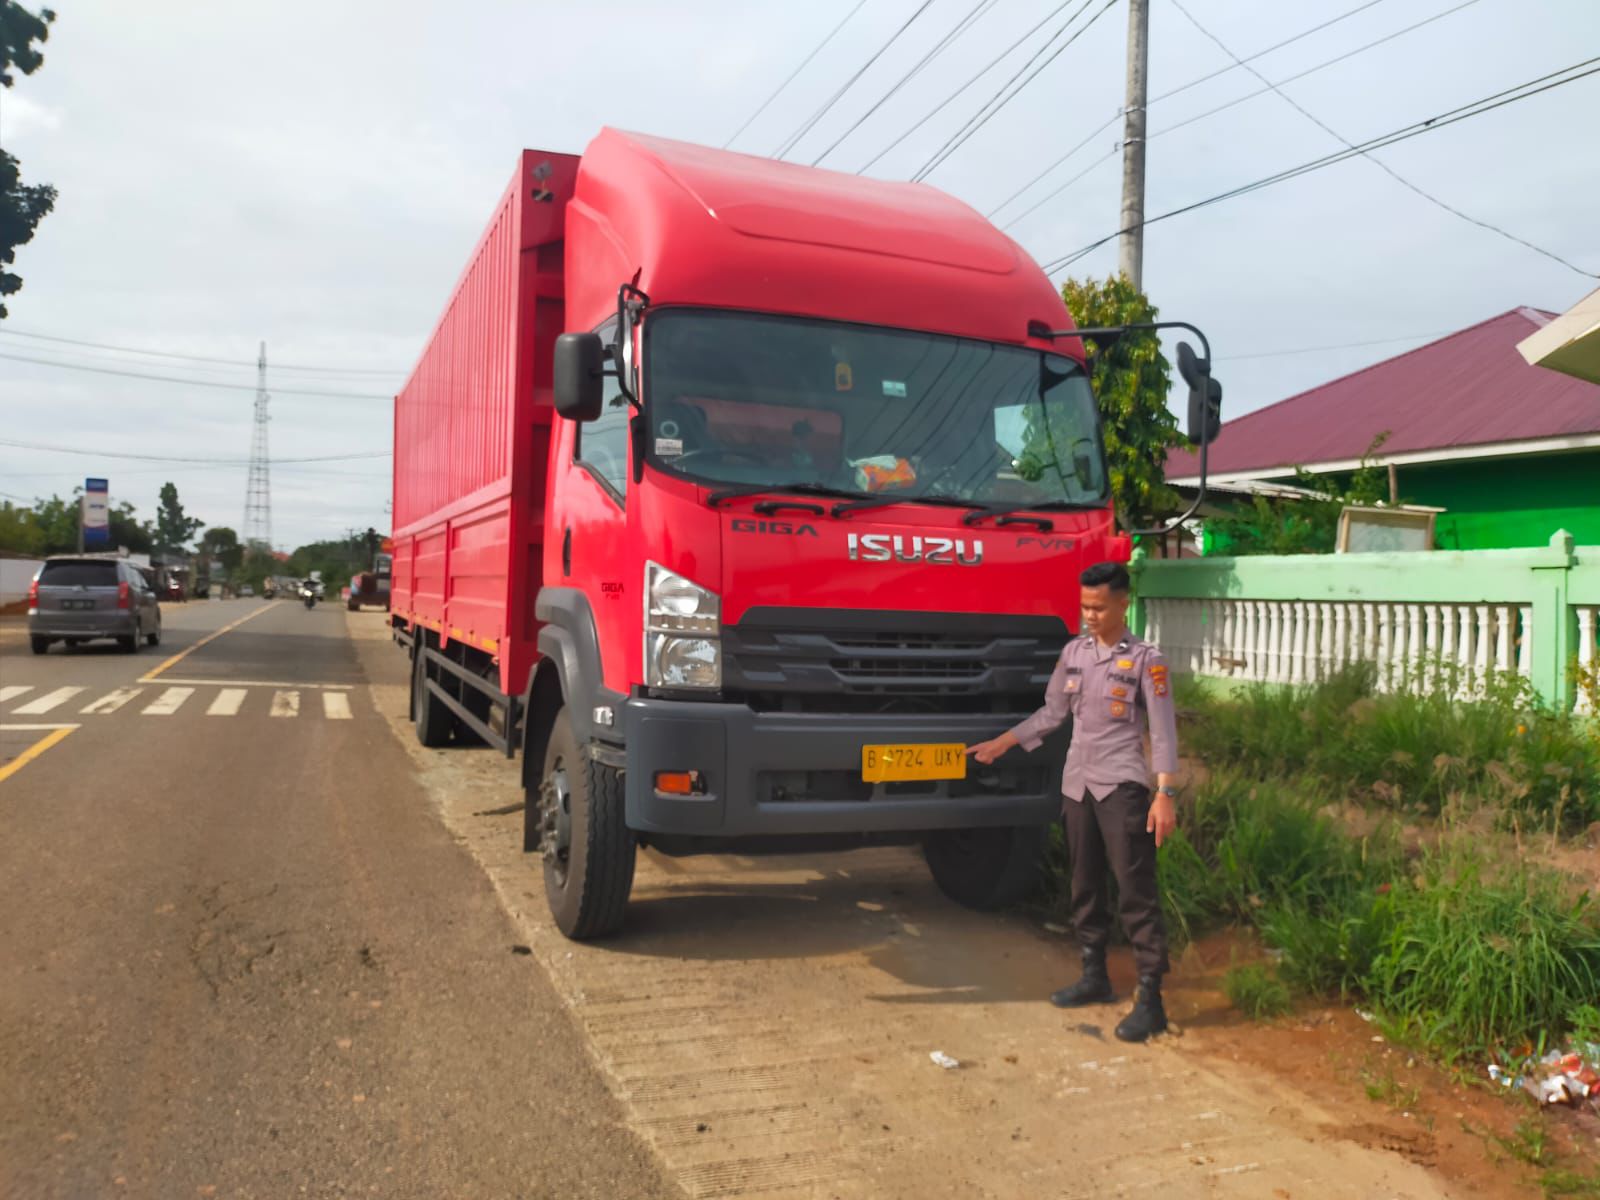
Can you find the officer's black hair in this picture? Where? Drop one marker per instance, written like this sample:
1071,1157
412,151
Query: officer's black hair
1112,575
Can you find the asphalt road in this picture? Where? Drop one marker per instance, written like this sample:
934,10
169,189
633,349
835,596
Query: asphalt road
241,956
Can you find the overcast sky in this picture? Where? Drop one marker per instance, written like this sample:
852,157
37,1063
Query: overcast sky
314,174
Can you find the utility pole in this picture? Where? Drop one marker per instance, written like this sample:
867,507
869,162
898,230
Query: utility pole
1130,256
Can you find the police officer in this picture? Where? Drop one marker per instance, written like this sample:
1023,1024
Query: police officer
1114,687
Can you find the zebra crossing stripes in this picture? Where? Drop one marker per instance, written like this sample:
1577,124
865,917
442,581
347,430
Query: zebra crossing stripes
37,708
282,702
228,702
169,702
112,701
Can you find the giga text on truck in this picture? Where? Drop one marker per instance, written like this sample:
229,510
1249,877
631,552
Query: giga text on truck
738,496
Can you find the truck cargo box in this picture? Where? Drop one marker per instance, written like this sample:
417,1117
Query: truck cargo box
472,429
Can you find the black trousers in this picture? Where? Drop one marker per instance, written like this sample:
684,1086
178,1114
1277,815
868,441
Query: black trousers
1109,835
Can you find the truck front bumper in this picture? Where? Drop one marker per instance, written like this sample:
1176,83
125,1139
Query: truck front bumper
800,774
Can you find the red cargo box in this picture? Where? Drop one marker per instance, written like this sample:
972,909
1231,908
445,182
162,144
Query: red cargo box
472,430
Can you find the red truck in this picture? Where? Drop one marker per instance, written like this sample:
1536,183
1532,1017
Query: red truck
738,496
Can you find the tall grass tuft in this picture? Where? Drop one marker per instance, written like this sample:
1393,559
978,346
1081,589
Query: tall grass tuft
1478,957
1412,751
1463,957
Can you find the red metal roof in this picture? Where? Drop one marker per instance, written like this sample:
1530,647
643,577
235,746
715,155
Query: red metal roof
1471,388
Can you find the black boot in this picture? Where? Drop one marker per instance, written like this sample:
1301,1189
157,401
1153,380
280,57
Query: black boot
1148,1016
1093,986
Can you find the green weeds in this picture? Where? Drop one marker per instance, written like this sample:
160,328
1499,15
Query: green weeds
1422,752
1256,991
1453,952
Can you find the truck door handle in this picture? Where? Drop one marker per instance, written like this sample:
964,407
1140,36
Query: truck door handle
566,552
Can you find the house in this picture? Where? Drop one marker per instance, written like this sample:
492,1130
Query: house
1509,450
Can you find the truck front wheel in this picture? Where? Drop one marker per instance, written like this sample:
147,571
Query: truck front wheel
588,849
986,869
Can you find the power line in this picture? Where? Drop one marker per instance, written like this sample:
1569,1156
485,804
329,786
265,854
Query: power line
1383,166
818,50
933,112
982,117
806,126
1511,95
227,362
967,22
1221,108
1211,112
236,387
170,458
1289,41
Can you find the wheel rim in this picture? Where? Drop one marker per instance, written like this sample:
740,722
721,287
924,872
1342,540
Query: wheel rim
555,822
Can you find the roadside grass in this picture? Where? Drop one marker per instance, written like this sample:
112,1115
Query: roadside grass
1455,953
1386,1089
1422,752
1256,991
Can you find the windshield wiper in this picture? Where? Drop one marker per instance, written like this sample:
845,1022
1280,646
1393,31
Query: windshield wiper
881,501
764,489
1007,516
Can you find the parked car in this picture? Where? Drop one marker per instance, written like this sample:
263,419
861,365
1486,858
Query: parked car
76,599
247,590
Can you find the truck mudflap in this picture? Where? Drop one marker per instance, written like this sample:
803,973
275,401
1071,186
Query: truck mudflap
800,774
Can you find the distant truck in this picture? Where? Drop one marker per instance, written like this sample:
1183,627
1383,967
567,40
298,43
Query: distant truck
738,497
371,588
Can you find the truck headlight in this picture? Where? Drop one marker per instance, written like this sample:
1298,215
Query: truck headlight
682,623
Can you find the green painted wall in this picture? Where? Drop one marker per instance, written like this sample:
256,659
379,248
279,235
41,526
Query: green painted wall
1498,504
1507,503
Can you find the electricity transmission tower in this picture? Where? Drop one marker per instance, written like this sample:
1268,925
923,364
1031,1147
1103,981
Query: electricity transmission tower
258,492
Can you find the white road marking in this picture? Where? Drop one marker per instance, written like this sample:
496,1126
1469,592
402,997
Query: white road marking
12,691
227,703
336,706
250,683
46,702
112,701
169,702
25,728
285,704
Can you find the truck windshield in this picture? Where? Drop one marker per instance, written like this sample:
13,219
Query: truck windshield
747,399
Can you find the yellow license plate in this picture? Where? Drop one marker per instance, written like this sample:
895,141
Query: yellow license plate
895,764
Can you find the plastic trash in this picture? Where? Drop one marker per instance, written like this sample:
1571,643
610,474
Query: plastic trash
941,1059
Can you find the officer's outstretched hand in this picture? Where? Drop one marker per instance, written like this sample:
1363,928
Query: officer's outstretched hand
1163,818
987,752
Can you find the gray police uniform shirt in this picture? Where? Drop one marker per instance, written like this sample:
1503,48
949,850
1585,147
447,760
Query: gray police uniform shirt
1113,694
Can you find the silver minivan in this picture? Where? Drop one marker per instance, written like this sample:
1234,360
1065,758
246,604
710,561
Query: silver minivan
77,598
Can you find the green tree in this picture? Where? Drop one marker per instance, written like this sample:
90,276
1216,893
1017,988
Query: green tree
1131,380
20,532
221,544
1300,525
21,208
173,528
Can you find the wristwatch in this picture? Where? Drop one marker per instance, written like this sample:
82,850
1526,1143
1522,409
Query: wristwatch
1168,790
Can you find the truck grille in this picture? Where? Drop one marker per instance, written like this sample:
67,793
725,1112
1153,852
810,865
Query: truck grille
851,661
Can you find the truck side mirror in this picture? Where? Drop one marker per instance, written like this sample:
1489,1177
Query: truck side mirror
1205,395
578,372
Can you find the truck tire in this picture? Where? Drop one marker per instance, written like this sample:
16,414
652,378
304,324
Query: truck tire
41,645
986,869
588,849
435,723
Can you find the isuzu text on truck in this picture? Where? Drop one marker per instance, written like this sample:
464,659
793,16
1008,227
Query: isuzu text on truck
740,496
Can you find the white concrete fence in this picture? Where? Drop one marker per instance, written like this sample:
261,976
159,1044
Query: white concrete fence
1425,621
